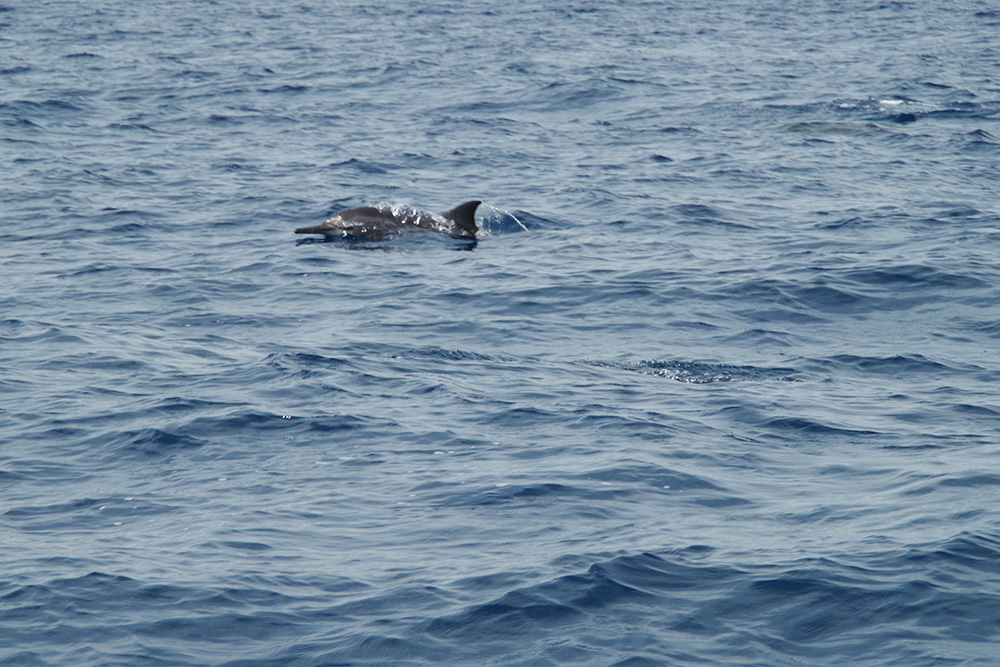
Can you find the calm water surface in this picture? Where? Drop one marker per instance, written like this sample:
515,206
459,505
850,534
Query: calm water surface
717,384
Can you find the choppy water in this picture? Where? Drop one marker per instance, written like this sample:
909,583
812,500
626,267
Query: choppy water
717,384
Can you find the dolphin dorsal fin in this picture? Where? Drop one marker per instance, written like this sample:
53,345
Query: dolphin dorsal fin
464,215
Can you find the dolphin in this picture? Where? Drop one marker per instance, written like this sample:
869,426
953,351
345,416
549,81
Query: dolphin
378,222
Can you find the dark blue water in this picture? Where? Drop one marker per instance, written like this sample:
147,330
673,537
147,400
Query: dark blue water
716,385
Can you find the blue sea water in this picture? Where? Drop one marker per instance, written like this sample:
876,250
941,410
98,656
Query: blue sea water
717,384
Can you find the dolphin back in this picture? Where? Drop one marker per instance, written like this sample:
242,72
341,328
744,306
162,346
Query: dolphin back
379,222
361,220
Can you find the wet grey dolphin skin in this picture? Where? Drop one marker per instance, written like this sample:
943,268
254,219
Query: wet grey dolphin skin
377,223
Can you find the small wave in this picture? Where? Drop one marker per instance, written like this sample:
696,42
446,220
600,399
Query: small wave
910,276
833,128
827,298
981,141
700,212
244,421
650,476
40,332
513,494
363,166
700,373
702,215
99,513
446,355
608,587
25,107
973,480
770,613
989,327
897,365
150,442
811,427
304,363
965,553
686,487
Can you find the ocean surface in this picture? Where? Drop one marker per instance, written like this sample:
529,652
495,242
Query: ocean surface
717,384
